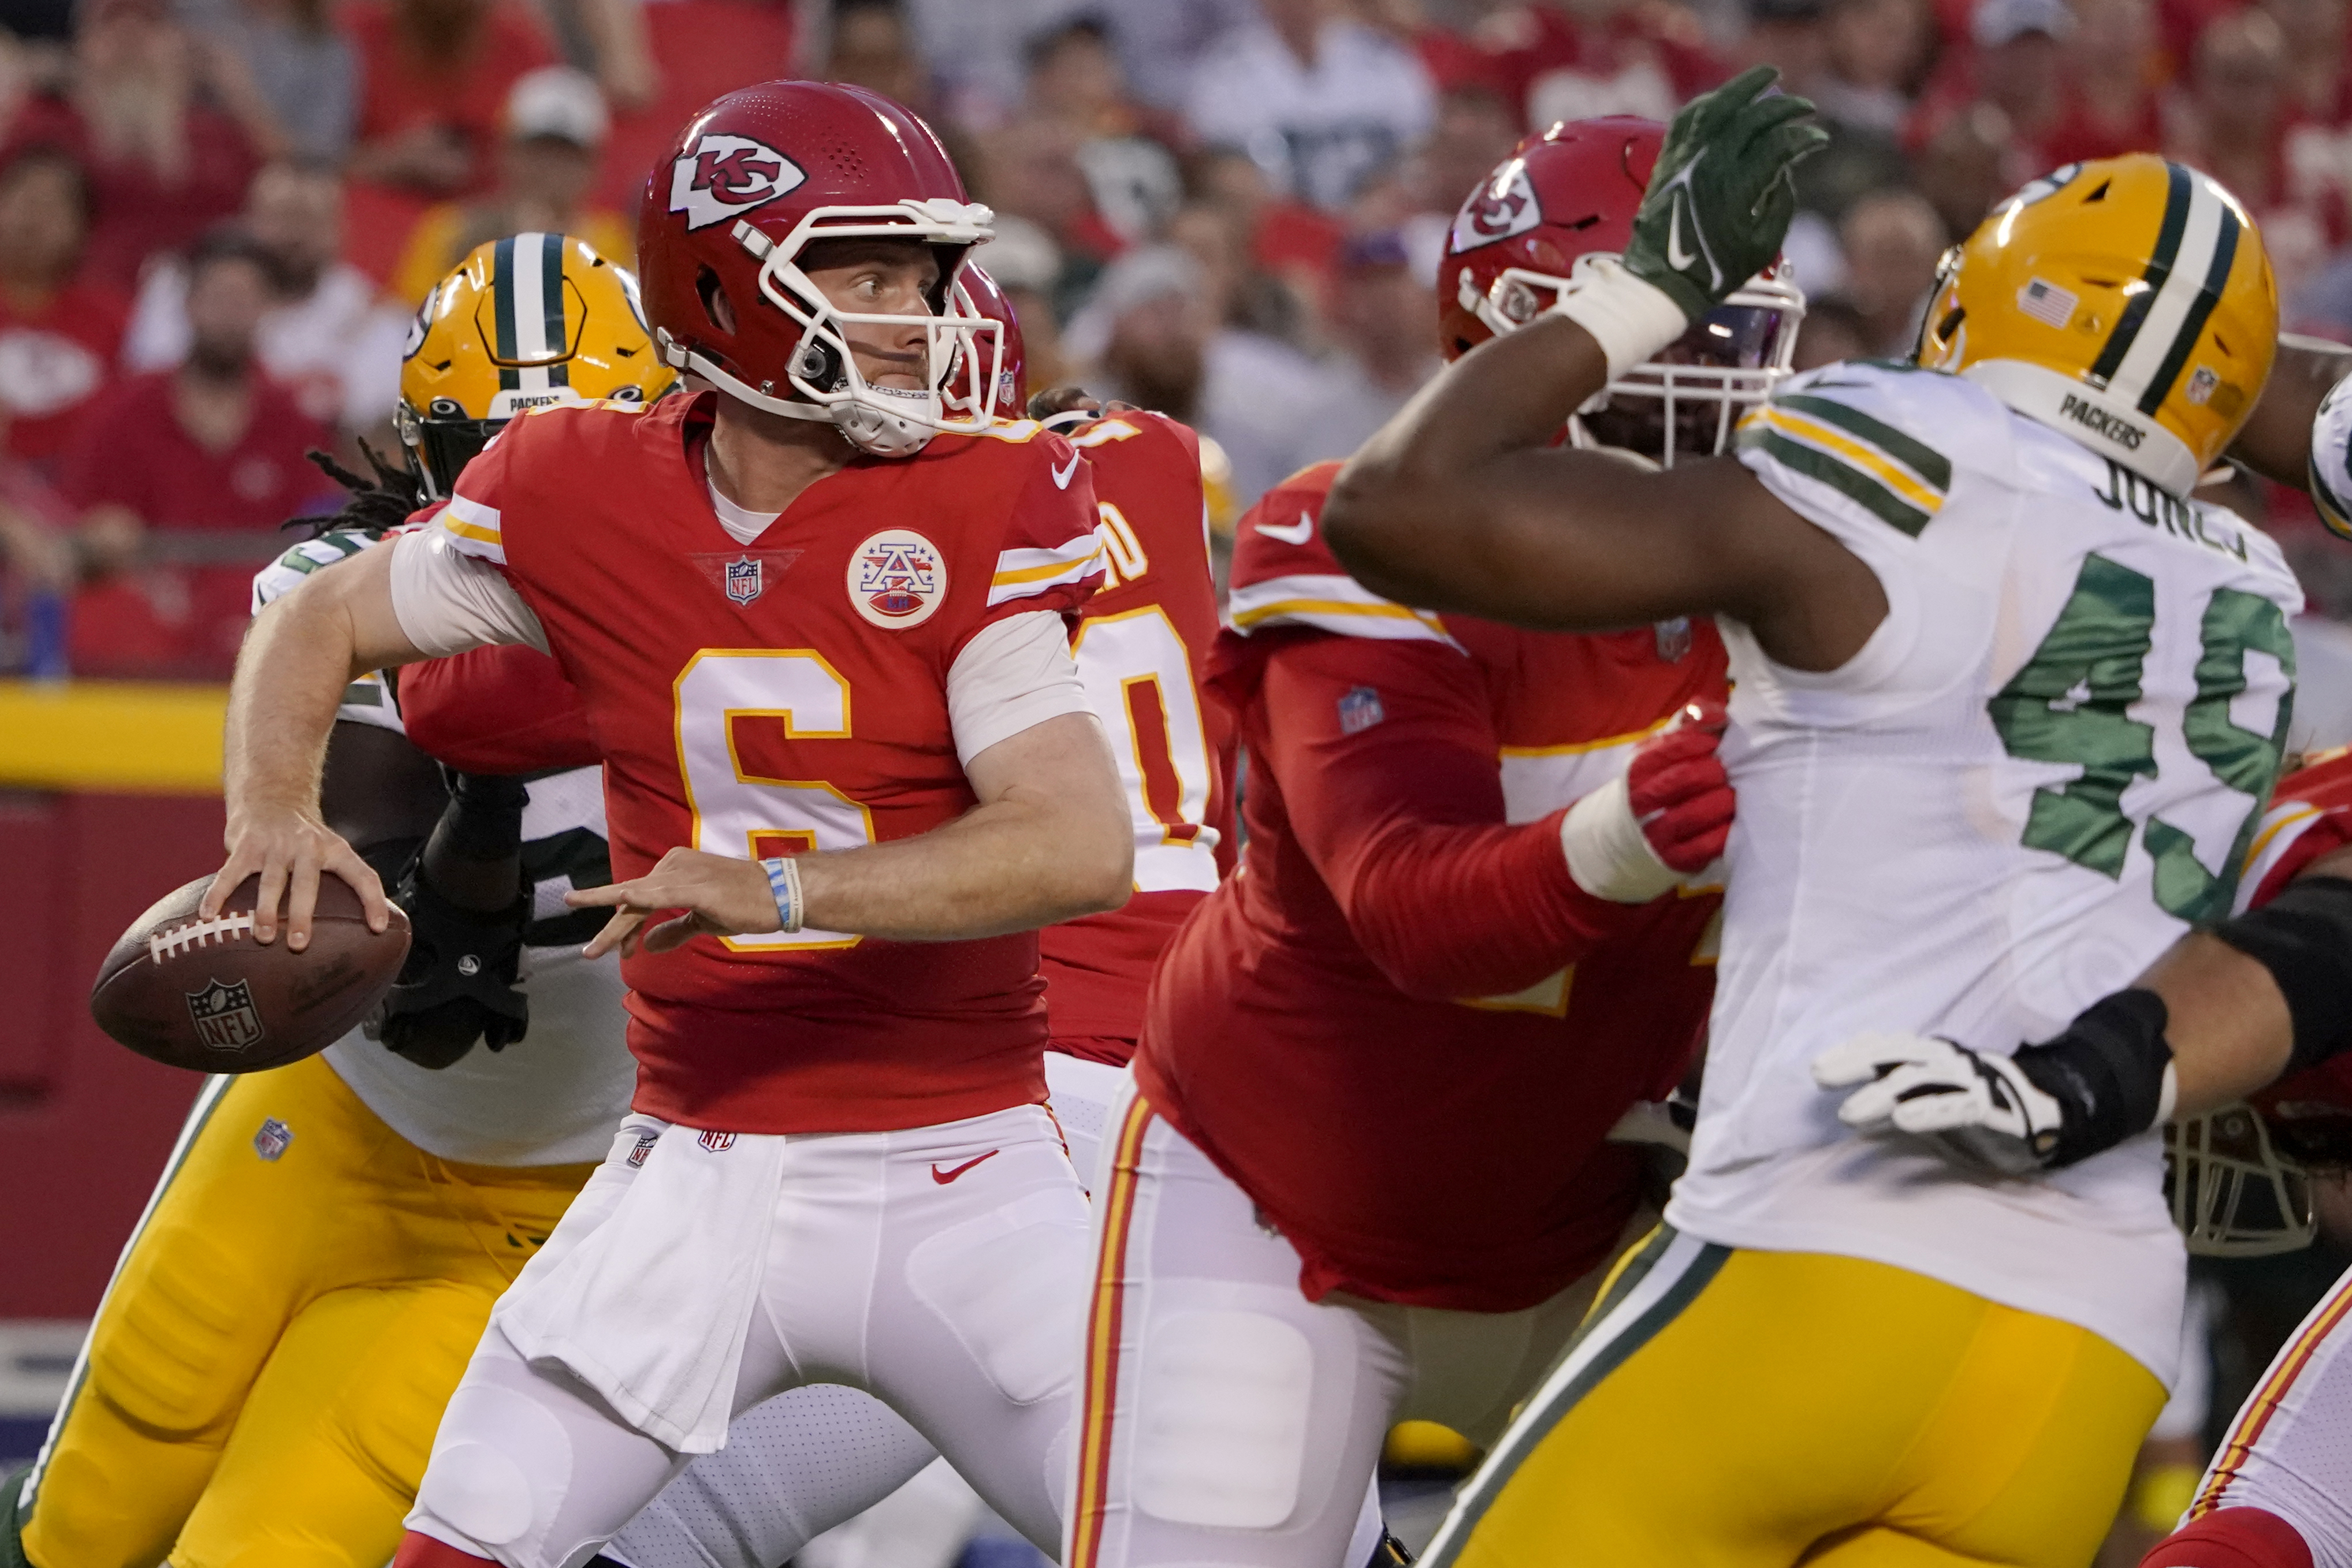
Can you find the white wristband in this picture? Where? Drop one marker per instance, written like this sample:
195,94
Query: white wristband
1630,319
784,882
1606,852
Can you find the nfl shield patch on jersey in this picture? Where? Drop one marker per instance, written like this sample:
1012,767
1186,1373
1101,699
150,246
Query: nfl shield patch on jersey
273,1139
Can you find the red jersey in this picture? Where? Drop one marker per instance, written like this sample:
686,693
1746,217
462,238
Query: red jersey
1403,960
782,696
59,355
2310,817
401,93
1141,649
130,450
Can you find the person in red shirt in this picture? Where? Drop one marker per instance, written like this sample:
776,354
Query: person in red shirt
815,614
167,467
163,165
58,332
435,78
1425,941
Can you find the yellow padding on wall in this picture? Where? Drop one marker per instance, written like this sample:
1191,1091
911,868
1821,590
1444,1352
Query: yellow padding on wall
117,737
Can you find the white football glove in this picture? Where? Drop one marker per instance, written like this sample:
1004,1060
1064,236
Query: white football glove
1981,1108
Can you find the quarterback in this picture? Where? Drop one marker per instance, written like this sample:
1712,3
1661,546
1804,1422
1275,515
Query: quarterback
816,616
267,1369
1447,920
2007,705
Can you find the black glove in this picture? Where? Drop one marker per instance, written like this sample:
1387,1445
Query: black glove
458,984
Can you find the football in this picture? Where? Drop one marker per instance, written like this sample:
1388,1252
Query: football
203,995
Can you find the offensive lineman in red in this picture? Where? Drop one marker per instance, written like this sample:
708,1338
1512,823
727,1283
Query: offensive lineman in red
1458,911
831,683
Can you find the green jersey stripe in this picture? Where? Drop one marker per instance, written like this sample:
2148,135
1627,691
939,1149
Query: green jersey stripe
1851,482
1931,466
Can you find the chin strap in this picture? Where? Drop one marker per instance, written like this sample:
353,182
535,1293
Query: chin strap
878,431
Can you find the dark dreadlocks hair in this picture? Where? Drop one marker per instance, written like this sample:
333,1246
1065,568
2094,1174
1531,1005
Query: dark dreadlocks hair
377,506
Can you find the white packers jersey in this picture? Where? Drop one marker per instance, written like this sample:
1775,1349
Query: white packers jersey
554,1097
2045,762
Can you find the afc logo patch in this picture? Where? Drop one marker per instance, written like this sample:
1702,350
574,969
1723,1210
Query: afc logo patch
273,1139
743,583
897,578
720,177
717,1142
225,1017
1504,206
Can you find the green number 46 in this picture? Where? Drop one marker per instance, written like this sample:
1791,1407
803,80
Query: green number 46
2070,703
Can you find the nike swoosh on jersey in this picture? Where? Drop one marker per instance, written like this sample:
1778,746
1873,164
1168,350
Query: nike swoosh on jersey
943,1178
1062,475
1296,533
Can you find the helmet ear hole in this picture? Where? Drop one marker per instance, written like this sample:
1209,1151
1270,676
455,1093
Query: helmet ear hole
715,303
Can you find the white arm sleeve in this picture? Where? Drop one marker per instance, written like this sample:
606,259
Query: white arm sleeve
1013,675
446,602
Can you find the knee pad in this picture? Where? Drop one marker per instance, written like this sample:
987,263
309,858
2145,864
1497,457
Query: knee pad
1219,1427
501,1466
2232,1538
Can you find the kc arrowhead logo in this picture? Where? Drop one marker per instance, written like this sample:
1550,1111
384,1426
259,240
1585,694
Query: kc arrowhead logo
720,177
1504,206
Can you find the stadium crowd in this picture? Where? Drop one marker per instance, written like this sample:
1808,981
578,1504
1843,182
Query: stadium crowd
217,218
217,215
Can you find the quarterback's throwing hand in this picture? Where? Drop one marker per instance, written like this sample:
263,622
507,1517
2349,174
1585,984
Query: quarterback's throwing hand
1666,819
1981,1108
720,895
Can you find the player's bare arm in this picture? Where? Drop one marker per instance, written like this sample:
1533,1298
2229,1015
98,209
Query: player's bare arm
302,651
2276,441
1049,841
1461,502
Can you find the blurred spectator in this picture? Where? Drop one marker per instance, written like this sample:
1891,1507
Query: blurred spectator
2319,87
873,46
1318,99
2233,122
1287,238
1963,169
1152,336
1074,80
1833,331
975,51
302,70
1873,49
1893,241
2112,69
163,165
1162,41
1572,59
2020,64
436,75
1241,292
1387,338
58,332
171,461
1034,173
329,335
555,125
1026,265
1475,130
37,563
1792,34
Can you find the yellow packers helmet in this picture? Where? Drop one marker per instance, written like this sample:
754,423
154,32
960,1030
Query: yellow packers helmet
2127,303
523,322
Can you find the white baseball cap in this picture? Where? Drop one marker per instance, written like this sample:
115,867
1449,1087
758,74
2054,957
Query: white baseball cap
558,102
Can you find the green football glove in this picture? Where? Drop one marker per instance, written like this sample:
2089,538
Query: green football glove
1721,196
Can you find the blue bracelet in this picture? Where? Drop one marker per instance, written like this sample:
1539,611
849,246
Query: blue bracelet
784,882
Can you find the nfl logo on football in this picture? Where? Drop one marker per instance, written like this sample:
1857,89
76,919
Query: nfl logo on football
225,1017
743,580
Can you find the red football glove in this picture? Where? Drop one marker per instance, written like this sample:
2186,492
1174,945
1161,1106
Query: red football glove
1668,817
1678,790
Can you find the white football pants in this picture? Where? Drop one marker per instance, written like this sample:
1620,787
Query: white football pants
807,1460
941,1270
2289,1452
1227,1419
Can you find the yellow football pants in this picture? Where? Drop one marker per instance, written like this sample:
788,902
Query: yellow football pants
1727,1408
264,1378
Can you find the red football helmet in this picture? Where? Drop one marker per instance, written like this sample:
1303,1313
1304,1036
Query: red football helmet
756,178
2240,1177
1570,194
976,293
